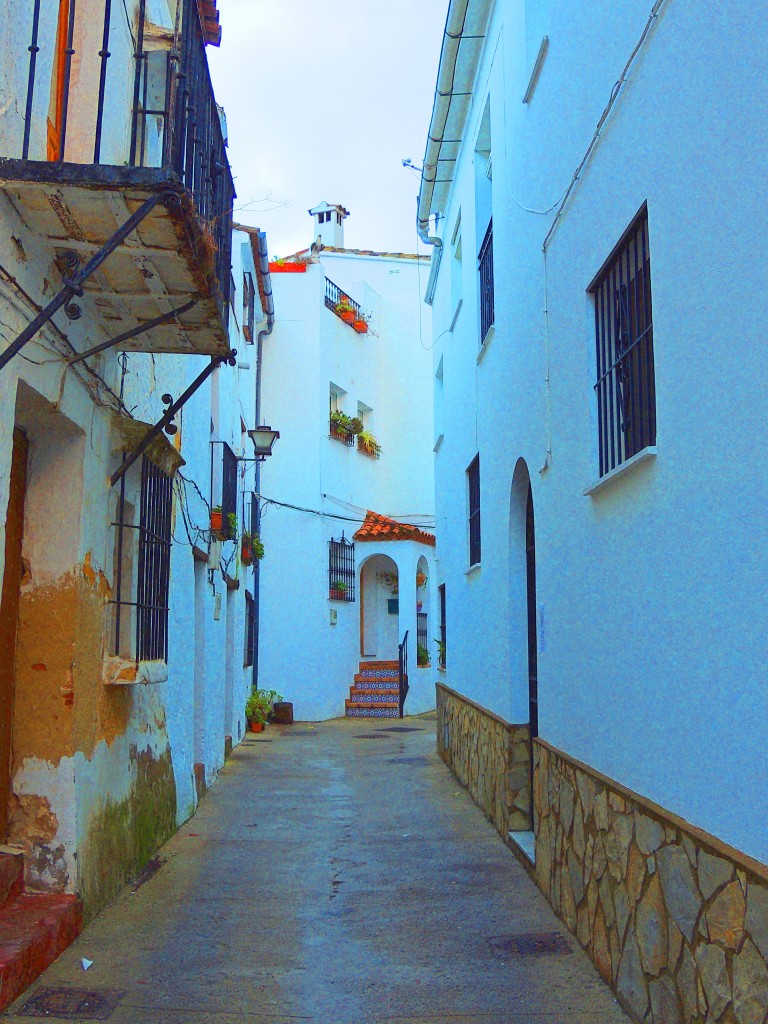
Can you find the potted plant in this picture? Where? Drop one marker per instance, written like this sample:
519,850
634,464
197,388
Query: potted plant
421,580
440,652
360,323
250,547
217,523
367,444
345,310
338,590
256,711
422,655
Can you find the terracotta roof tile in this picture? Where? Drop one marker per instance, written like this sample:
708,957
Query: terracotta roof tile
377,527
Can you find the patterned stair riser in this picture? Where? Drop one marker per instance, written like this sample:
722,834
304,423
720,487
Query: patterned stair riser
379,673
373,698
372,712
380,687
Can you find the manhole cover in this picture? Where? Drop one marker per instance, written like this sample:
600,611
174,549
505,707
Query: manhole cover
71,1004
402,728
537,944
407,760
371,736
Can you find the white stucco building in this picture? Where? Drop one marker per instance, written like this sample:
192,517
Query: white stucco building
126,627
323,609
599,378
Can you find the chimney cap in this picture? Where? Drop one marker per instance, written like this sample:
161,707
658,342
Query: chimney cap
324,207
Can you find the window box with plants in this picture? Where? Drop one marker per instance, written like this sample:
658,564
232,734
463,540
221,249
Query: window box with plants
344,428
368,445
360,323
338,590
251,547
223,526
345,310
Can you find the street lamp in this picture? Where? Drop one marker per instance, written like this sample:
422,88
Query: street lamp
263,440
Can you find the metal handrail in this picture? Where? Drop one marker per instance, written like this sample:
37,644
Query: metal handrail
402,658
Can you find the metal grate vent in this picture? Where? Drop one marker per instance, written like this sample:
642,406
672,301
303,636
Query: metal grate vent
71,1004
534,944
407,760
371,736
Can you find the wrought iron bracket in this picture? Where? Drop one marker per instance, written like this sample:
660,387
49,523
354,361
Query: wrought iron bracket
170,413
74,284
133,333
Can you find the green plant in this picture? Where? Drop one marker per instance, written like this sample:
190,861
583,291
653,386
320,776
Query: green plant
339,585
260,705
422,655
367,438
253,542
344,424
440,650
232,524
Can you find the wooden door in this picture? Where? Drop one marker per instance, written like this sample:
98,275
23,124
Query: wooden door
9,615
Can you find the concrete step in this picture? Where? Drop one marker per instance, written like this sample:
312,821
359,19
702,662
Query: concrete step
380,664
34,930
11,875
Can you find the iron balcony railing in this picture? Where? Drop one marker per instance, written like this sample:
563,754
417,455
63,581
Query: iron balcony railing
370,448
335,297
172,123
402,660
485,266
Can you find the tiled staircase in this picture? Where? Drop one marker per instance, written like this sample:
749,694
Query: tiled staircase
34,928
376,692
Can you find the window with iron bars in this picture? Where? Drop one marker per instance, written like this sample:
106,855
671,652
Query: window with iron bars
223,491
250,629
485,268
626,384
442,638
142,568
341,570
473,488
249,307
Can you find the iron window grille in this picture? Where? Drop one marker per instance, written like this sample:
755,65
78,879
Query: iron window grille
626,385
224,489
370,448
422,633
341,570
147,545
250,629
340,434
334,295
249,307
473,486
485,267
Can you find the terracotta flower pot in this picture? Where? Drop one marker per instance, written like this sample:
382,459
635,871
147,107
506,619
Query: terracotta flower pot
255,726
287,268
347,315
360,326
421,579
246,556
217,524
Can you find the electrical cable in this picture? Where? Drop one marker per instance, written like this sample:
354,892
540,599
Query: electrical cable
326,515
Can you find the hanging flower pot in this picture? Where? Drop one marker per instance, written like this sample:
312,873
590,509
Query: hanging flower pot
217,523
421,579
347,315
360,326
246,555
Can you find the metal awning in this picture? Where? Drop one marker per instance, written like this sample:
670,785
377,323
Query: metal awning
166,264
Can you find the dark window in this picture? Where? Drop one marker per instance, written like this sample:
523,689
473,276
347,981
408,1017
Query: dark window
147,545
250,629
625,388
485,267
441,648
473,485
341,570
249,307
223,491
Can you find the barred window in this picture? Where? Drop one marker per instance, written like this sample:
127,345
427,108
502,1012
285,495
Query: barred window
341,570
250,629
485,268
626,386
249,307
473,488
142,568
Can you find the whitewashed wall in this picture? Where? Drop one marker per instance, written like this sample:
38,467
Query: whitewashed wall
650,592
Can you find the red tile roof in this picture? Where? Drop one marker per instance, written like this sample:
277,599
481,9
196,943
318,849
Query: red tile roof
209,18
378,527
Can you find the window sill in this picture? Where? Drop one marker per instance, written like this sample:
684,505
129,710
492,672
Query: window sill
473,570
455,316
626,467
438,444
490,334
122,672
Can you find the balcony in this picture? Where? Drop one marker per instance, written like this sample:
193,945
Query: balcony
145,184
345,308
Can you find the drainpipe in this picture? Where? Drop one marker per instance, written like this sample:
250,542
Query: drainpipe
269,309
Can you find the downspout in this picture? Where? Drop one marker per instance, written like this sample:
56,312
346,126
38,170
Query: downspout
269,309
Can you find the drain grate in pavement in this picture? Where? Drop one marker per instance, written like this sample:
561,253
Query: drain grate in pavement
402,728
536,944
371,736
407,760
71,1004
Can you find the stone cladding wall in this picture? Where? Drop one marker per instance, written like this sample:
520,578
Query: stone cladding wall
675,921
489,756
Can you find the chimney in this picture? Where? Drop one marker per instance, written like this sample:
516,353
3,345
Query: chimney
329,224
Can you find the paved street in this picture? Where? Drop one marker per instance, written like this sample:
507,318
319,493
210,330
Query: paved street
335,873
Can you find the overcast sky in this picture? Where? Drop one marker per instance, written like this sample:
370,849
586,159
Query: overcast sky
324,98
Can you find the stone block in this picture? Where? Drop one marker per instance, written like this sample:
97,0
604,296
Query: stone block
577,877
617,841
687,987
606,901
601,952
665,1004
587,790
714,977
757,916
713,873
725,917
621,907
631,980
651,929
649,833
578,838
680,892
582,925
599,860
567,796
567,901
600,810
674,945
750,985
635,874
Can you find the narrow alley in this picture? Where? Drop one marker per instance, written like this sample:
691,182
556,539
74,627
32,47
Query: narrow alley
335,873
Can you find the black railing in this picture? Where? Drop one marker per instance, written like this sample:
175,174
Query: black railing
485,266
441,645
341,434
174,120
341,570
335,298
370,448
402,674
473,483
422,632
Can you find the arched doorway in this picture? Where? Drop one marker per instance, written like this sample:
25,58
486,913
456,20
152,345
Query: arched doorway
379,608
